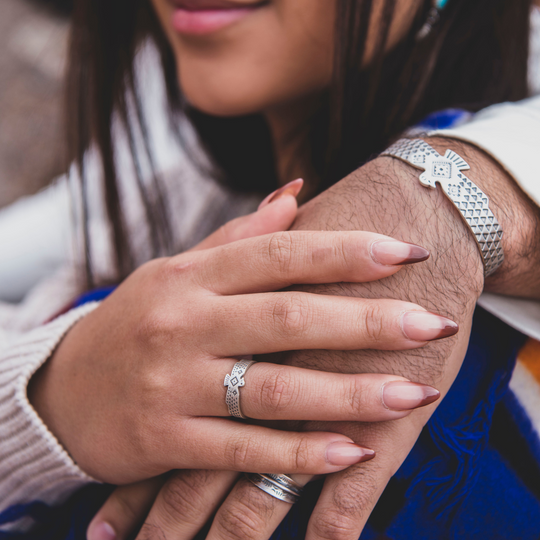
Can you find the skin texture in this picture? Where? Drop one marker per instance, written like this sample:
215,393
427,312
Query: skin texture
277,61
383,195
249,66
271,66
451,281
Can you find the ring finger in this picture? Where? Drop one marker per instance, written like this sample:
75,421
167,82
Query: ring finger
276,392
249,513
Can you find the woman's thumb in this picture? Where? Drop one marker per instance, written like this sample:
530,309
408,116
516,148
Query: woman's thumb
276,213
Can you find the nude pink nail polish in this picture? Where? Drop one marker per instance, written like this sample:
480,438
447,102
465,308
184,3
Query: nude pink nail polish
292,188
394,253
405,395
344,454
427,326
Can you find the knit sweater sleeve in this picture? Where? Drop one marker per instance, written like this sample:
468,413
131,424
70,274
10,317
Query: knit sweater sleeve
33,464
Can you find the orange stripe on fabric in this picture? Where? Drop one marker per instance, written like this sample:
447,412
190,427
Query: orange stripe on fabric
529,355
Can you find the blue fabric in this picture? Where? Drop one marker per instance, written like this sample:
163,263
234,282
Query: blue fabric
473,474
445,119
464,478
94,296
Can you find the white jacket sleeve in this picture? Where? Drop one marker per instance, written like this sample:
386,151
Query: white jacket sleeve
510,133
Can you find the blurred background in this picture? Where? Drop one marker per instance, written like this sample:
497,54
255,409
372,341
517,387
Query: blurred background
33,45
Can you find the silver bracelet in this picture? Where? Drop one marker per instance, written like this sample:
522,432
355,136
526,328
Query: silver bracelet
469,199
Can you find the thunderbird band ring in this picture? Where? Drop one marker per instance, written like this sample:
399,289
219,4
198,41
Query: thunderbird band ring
267,484
234,382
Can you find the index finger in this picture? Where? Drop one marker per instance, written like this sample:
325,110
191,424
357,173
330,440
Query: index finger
278,260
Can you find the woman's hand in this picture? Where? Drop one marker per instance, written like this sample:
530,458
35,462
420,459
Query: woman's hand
136,388
180,504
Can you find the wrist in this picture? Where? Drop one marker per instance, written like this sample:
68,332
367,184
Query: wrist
516,213
385,196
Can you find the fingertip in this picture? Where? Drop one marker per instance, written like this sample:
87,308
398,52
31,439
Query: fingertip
274,217
405,396
292,188
100,530
396,253
345,454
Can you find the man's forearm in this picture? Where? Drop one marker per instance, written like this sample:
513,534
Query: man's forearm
385,196
518,216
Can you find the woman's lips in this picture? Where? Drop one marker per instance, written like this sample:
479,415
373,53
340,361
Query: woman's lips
199,17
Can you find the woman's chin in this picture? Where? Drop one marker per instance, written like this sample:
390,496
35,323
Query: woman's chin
219,105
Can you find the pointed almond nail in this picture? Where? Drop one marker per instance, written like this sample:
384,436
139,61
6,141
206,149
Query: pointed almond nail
292,188
344,453
393,253
427,326
405,395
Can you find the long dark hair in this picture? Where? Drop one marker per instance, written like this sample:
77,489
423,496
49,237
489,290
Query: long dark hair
476,56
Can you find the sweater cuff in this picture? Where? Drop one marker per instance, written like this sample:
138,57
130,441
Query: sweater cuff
33,464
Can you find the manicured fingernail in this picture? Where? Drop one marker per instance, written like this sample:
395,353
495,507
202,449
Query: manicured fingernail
392,253
344,453
101,531
426,326
404,395
292,188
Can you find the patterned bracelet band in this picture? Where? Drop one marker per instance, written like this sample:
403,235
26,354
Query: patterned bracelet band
469,199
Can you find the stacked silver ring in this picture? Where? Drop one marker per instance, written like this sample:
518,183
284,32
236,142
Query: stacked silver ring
279,486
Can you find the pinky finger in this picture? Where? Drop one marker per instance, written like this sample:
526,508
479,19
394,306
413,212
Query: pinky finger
124,510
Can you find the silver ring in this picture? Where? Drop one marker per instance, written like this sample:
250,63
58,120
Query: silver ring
273,488
286,482
234,382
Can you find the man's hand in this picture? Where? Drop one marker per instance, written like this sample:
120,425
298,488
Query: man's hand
385,196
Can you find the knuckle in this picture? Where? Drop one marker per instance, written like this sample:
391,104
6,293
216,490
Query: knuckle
156,325
291,315
342,249
356,398
352,502
334,526
301,454
245,515
185,268
373,322
182,496
278,392
239,522
150,531
240,451
280,251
